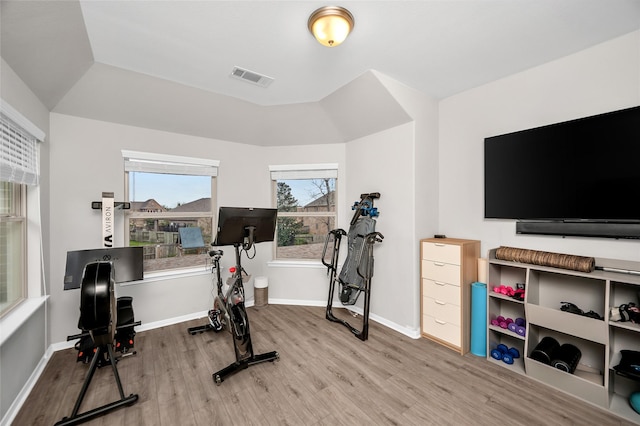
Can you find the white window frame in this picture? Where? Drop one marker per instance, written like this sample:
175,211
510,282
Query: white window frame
136,161
302,171
19,164
16,216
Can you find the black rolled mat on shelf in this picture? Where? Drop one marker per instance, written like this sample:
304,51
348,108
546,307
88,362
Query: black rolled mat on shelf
543,258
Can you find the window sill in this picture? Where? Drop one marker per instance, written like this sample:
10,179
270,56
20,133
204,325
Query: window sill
314,264
18,316
170,275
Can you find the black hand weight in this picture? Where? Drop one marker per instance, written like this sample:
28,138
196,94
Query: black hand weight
545,350
566,358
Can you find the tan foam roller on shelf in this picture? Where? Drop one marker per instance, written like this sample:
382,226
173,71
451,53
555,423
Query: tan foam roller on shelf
543,258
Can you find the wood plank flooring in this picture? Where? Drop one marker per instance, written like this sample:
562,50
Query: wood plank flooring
325,376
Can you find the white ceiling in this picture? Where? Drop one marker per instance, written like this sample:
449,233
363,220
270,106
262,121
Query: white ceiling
65,50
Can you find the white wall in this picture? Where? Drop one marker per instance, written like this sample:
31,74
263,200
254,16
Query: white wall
600,79
86,160
305,284
24,349
80,173
383,163
423,205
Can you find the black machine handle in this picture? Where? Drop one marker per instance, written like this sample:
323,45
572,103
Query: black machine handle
86,333
374,237
249,238
369,240
338,233
371,195
216,253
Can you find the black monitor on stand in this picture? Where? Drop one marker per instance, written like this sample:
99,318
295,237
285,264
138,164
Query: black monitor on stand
127,261
245,226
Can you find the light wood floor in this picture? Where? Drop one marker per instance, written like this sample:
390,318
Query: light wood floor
325,376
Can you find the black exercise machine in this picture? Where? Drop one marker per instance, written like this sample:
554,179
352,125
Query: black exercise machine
242,228
99,318
215,322
124,339
357,271
127,266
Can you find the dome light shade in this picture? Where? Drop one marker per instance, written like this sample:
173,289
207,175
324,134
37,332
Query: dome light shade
331,25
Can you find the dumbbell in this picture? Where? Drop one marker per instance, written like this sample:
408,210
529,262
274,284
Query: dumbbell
501,322
504,289
507,355
518,326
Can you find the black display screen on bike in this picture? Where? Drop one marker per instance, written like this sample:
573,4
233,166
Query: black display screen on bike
234,225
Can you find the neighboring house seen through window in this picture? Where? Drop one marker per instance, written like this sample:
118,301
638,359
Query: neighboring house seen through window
172,210
305,196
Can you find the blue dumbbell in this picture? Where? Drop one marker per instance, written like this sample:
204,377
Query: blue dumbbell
507,355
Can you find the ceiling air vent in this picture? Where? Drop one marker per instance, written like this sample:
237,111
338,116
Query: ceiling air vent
251,77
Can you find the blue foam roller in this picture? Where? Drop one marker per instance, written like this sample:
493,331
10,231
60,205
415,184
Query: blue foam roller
479,319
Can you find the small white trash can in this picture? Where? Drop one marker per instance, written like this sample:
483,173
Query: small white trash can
261,291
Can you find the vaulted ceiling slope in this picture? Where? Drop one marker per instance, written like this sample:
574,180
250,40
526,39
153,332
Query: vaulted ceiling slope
167,64
112,94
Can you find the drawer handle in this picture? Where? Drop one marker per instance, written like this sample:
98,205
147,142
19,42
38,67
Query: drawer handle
439,302
439,244
438,264
439,283
441,322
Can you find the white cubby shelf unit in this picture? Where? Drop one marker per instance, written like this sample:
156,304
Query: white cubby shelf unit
599,340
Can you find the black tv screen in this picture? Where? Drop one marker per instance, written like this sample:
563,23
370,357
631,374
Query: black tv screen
233,223
584,169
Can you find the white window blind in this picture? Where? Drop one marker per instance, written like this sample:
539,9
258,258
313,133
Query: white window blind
304,171
18,147
171,164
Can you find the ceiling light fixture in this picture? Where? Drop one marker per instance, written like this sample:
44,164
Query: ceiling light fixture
331,25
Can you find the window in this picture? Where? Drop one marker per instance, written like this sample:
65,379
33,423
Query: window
12,245
305,197
168,194
18,168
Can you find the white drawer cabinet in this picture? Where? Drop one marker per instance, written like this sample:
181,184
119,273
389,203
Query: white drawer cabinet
448,266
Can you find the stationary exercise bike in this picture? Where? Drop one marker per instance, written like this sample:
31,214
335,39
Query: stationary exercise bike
216,321
242,228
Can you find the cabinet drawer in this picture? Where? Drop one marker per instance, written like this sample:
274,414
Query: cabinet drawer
440,252
441,272
441,329
447,293
441,311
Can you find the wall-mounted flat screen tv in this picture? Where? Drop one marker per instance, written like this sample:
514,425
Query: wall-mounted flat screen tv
584,170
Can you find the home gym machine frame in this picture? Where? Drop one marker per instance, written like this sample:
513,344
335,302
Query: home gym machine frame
229,309
363,261
98,315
